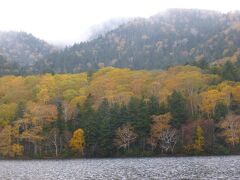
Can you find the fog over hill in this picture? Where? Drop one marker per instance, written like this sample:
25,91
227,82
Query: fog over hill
177,36
103,28
23,48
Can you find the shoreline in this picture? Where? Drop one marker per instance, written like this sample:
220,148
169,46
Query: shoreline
125,157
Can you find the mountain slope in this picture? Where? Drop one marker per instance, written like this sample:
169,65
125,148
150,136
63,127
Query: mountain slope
23,48
175,37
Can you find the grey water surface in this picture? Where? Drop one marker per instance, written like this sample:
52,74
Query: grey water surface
222,167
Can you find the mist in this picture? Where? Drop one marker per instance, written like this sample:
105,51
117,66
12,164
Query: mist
64,22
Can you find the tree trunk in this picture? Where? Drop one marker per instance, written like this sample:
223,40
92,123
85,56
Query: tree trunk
55,144
60,143
56,150
35,148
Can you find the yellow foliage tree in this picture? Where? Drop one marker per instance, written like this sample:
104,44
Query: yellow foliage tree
7,113
235,93
231,127
198,146
5,143
199,140
17,150
43,96
209,100
77,143
159,125
32,127
7,147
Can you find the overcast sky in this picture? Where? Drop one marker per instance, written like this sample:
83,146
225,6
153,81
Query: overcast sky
67,21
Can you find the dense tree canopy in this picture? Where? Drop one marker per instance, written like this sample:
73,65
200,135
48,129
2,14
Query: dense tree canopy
117,112
175,37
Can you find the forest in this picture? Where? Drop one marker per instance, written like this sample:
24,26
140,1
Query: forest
175,37
193,109
172,38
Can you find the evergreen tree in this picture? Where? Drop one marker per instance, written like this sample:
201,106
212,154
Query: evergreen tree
234,106
20,109
116,115
203,64
78,117
105,139
163,108
90,125
139,115
220,112
154,106
230,72
177,107
60,124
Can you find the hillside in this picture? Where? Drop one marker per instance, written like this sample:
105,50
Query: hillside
177,36
174,37
23,48
133,113
103,28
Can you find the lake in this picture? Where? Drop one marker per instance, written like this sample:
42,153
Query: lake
222,167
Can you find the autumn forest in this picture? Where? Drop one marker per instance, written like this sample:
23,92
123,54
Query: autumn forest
184,110
164,85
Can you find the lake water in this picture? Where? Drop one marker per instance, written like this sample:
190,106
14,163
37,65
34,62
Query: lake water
225,167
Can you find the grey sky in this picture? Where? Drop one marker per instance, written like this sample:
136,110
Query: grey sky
68,21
